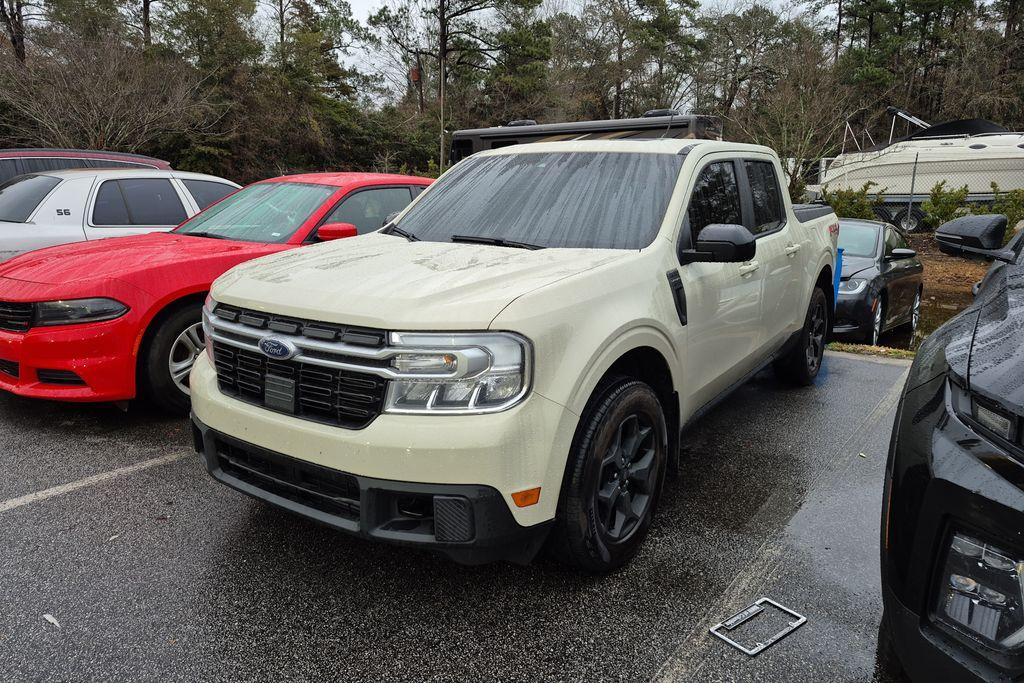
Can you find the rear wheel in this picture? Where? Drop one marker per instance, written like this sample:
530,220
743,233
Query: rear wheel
801,365
168,358
613,477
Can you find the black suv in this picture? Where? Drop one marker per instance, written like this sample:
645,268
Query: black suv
952,532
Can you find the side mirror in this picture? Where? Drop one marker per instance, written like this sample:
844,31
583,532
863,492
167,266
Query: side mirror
721,243
335,231
900,254
969,235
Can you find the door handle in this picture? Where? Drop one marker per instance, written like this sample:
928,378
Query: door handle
749,267
792,249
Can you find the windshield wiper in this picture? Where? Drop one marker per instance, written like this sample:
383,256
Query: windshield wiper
211,235
497,241
395,230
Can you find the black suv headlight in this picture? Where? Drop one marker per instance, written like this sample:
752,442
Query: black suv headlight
981,593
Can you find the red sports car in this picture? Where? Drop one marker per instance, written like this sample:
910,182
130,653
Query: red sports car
116,318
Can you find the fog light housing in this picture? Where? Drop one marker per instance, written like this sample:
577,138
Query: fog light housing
981,594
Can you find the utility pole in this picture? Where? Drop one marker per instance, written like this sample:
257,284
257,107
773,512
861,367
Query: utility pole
442,74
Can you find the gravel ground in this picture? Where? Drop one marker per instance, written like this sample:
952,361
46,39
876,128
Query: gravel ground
159,573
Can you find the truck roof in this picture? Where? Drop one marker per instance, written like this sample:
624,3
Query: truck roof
649,146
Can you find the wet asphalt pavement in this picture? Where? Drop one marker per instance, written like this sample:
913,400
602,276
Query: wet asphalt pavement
159,573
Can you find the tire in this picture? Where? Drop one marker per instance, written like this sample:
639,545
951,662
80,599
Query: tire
915,314
874,334
803,362
882,213
176,340
613,478
911,220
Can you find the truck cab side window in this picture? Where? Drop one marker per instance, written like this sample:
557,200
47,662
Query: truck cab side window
715,198
765,196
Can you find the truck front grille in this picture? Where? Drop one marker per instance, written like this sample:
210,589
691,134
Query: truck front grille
338,397
15,316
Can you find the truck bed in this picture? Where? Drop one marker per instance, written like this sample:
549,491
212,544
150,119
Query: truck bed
808,212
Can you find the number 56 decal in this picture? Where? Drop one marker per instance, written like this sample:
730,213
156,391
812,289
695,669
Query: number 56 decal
63,212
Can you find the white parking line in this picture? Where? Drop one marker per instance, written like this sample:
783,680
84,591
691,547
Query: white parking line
88,481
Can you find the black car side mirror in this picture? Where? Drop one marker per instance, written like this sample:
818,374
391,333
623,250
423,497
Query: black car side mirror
721,243
974,235
900,254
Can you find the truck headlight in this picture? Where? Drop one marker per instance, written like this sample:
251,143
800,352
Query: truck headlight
73,311
208,307
852,286
458,373
980,594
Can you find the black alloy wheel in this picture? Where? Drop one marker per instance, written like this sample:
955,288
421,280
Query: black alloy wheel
627,478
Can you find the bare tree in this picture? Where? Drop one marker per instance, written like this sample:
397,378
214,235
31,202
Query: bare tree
15,15
102,96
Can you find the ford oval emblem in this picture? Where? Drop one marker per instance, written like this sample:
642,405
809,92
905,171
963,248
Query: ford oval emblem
277,348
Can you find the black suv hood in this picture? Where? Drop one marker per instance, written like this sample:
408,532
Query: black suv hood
997,351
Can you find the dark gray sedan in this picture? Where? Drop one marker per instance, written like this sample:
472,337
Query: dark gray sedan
881,281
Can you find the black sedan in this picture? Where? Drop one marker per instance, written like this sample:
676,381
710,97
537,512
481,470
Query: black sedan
952,531
880,287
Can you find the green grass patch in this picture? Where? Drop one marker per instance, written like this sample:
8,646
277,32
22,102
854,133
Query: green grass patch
868,350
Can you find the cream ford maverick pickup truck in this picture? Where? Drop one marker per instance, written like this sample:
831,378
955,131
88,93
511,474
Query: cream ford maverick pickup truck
511,361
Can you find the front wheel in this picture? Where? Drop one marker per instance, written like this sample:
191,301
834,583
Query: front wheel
801,365
613,477
168,357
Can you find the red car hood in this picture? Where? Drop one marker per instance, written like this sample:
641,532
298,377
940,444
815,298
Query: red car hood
123,257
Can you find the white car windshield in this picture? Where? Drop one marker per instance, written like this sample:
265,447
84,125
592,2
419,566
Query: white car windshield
598,200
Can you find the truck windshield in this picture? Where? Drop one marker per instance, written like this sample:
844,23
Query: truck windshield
264,212
20,196
858,239
595,200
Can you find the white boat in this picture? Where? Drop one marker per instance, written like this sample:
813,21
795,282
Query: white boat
974,152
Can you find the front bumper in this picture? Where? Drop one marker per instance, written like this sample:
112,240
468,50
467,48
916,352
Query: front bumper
86,362
943,476
854,314
470,524
510,451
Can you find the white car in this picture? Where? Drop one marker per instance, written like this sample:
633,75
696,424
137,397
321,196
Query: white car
513,359
44,209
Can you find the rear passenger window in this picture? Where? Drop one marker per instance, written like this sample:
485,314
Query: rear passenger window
20,196
44,164
715,198
110,208
765,195
138,201
206,192
8,169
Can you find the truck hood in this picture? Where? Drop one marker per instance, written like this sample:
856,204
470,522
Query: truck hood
997,355
384,281
121,257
